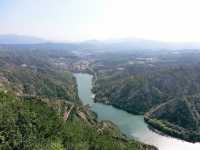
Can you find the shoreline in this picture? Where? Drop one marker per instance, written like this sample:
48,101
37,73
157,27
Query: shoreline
124,137
187,137
156,128
153,130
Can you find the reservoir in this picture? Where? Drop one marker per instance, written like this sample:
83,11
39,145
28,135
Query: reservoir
131,125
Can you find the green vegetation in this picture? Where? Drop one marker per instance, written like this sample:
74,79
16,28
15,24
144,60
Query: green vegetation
40,108
163,85
166,94
26,72
179,118
35,124
42,83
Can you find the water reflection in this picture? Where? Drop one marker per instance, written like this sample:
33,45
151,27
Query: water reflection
131,125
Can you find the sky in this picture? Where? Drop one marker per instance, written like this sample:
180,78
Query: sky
75,20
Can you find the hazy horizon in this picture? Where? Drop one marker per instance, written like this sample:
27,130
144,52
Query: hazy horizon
76,20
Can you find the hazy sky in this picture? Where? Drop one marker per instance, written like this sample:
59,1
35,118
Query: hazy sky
167,20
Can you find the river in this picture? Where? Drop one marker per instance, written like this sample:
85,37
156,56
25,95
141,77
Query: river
129,124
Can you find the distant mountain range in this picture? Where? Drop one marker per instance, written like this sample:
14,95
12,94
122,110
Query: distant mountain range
20,39
126,44
136,43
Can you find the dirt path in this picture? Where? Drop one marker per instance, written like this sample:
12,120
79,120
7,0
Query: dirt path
67,113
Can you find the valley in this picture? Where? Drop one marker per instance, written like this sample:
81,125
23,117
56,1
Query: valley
160,86
131,125
40,107
99,75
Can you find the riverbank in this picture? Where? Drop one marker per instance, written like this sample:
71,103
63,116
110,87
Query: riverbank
135,95
131,125
168,129
84,82
164,129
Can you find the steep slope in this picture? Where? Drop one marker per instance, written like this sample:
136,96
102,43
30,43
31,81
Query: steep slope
141,89
19,39
170,91
34,123
129,94
31,72
40,107
179,117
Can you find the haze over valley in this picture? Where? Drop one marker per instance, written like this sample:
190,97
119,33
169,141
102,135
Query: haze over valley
99,75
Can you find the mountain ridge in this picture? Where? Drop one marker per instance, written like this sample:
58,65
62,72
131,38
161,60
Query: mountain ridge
125,44
20,39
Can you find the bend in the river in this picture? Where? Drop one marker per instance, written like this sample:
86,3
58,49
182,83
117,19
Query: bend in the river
129,124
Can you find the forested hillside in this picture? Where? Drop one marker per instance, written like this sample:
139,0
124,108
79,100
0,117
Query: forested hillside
178,117
165,87
139,91
40,107
30,72
33,123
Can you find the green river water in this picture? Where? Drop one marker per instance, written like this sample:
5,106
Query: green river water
131,125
